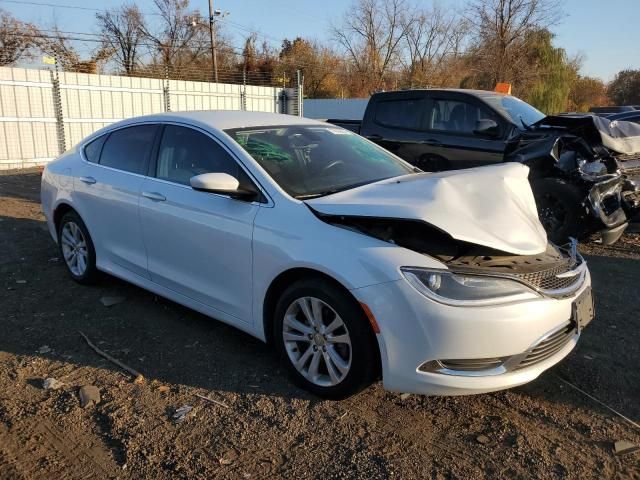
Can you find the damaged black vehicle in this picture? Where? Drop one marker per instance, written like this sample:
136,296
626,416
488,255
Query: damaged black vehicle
582,174
582,167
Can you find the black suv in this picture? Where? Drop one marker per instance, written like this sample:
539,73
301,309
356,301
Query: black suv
575,179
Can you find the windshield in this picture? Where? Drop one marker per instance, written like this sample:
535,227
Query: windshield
313,160
515,109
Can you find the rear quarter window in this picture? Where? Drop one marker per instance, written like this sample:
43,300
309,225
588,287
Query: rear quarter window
92,150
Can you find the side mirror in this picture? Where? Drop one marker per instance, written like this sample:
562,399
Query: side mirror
487,128
223,184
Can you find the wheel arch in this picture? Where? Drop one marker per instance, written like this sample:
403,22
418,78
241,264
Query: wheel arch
61,209
288,277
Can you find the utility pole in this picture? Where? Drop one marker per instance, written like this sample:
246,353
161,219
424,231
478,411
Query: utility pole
212,35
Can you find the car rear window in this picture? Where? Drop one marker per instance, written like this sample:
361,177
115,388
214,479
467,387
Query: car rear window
128,148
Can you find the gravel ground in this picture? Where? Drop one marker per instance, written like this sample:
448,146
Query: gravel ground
260,425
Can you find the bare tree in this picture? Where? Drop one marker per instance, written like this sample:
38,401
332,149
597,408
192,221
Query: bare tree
501,28
371,35
434,39
181,35
18,40
122,33
61,47
319,65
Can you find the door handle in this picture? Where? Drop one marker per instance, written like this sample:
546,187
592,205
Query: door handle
435,143
156,197
374,137
88,180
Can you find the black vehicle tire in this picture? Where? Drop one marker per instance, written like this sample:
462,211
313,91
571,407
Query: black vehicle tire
560,208
72,229
335,305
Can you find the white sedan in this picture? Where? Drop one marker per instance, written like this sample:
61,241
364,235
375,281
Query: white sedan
351,262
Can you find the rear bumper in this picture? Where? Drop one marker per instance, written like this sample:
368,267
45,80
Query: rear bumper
415,331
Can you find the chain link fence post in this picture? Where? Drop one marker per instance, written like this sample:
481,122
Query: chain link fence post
57,109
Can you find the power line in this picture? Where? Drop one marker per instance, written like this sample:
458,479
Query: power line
59,5
99,38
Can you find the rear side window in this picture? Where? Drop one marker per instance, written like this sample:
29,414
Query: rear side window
402,113
185,153
128,148
93,149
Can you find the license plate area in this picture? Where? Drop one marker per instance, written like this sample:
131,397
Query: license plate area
583,309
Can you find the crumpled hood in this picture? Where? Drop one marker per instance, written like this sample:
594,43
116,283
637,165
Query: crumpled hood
492,206
618,135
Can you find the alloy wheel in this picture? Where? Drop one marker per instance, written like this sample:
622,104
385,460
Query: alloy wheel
74,248
317,341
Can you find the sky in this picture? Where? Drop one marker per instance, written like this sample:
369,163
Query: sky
604,33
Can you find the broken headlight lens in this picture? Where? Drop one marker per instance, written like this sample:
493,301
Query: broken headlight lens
592,170
466,290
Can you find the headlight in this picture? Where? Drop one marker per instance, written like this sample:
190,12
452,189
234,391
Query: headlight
466,290
592,170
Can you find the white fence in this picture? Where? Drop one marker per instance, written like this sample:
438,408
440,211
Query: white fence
41,114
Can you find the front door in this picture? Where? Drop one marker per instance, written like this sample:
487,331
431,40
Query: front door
198,244
451,135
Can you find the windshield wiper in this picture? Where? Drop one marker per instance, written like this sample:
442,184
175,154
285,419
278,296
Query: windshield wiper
307,196
524,124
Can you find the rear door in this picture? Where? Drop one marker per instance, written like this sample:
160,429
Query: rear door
199,244
397,122
451,133
107,190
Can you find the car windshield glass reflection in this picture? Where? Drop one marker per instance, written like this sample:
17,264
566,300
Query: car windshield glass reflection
312,161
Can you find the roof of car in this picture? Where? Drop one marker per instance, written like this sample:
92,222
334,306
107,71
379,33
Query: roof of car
227,119
477,93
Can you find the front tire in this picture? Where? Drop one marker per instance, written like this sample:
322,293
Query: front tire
76,249
324,339
559,208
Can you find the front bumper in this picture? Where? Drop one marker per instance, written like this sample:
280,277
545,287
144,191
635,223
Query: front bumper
606,203
415,331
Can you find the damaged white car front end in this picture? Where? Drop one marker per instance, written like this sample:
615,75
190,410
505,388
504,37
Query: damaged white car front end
501,306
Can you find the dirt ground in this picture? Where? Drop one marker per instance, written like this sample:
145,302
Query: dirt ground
261,426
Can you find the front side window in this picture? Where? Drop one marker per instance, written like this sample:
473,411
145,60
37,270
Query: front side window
457,116
309,161
519,112
128,148
402,113
185,153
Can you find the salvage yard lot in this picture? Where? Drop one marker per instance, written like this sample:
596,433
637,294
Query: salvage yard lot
261,426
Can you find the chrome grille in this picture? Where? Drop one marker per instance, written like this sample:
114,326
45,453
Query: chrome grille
548,346
548,279
476,364
543,349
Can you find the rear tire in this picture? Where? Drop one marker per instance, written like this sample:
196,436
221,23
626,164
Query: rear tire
336,350
559,208
76,249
